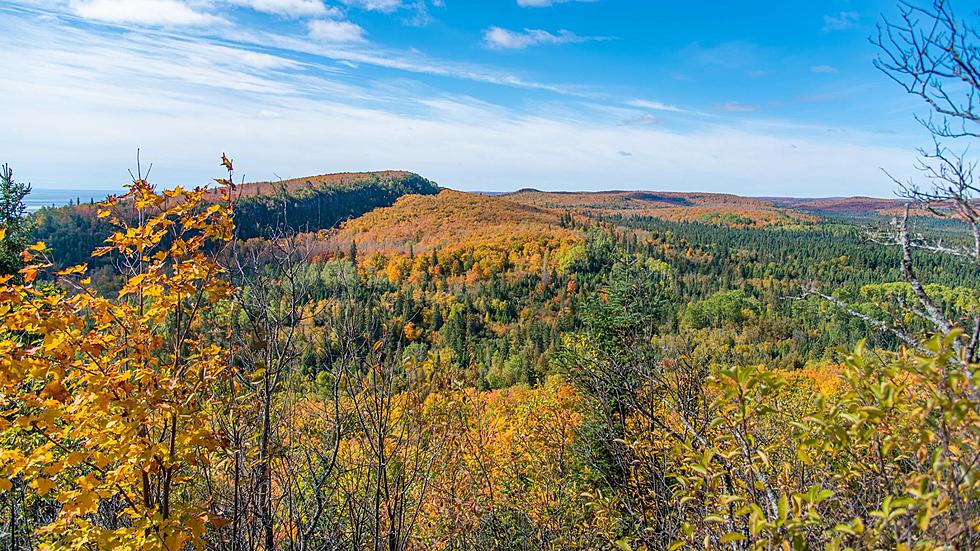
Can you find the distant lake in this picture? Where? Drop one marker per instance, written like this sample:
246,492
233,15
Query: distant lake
60,197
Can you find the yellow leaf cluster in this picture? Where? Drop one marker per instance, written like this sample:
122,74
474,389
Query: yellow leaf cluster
106,396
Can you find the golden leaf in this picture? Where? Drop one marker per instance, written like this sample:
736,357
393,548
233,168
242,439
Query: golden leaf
43,486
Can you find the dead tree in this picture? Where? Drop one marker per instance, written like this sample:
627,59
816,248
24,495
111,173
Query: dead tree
270,307
934,54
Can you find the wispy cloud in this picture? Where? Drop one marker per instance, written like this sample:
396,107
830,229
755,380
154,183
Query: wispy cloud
417,10
333,31
420,16
640,120
329,50
411,61
655,105
170,13
289,8
841,21
502,39
340,44
87,95
385,6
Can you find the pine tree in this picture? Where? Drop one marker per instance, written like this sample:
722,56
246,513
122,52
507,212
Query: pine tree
14,224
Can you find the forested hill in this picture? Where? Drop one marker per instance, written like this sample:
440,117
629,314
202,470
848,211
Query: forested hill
311,203
451,344
321,202
711,208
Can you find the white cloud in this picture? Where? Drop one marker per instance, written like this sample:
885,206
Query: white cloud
655,105
289,8
86,100
143,12
353,54
410,61
503,39
255,60
385,6
329,30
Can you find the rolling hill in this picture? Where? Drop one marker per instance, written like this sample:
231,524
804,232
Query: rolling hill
396,213
462,233
840,205
320,202
712,208
310,204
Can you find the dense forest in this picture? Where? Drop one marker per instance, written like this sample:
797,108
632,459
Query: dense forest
370,361
304,203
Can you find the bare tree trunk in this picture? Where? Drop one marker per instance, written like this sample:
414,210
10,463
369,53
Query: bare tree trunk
265,469
11,495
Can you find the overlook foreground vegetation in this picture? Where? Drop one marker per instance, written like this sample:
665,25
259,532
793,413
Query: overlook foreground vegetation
469,371
368,361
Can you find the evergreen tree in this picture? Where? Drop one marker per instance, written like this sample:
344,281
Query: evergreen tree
13,219
352,253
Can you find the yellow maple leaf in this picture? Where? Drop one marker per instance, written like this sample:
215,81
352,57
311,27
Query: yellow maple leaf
82,504
43,486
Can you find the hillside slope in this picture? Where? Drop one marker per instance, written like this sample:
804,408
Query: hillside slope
308,204
841,205
462,233
320,202
711,208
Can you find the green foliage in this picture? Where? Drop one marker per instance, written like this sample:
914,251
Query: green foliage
13,221
312,205
630,306
726,219
309,205
696,452
712,406
571,258
720,308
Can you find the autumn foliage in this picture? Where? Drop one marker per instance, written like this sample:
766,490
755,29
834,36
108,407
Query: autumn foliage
105,399
463,235
281,393
710,208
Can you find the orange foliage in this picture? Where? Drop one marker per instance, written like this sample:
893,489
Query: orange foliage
674,206
474,236
511,452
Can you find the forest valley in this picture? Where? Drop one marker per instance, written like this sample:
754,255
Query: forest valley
370,361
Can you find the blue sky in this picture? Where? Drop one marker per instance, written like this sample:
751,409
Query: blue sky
754,98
